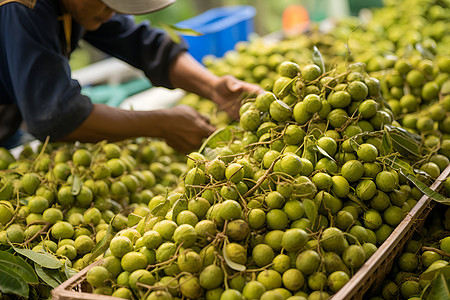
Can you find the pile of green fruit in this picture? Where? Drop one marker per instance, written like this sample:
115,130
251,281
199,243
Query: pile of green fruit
421,270
60,199
290,204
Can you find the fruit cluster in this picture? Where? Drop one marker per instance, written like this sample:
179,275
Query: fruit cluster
293,203
60,199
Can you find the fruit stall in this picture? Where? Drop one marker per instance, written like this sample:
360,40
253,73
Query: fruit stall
333,184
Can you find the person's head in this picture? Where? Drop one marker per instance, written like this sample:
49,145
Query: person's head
91,14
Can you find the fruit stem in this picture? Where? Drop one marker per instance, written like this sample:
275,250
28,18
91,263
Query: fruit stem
262,178
438,251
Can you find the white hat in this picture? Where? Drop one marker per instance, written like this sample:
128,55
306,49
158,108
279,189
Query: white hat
137,7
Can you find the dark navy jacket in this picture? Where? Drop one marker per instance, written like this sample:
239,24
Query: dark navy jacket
34,69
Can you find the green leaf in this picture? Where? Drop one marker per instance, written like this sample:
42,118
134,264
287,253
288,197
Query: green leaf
318,59
403,141
424,51
103,245
161,209
439,289
355,199
179,206
19,265
12,282
311,210
218,138
398,164
171,33
426,190
50,277
287,86
430,275
68,270
210,154
43,259
76,185
185,31
324,153
230,263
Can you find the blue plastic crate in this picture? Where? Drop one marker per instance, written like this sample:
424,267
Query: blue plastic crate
221,29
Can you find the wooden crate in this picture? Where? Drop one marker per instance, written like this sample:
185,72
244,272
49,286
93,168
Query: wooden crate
369,276
375,269
76,288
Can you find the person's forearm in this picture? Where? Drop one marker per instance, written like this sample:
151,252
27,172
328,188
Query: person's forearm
188,74
180,126
115,124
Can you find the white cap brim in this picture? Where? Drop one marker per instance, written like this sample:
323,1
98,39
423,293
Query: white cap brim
137,7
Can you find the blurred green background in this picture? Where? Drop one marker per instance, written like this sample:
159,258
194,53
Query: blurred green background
267,20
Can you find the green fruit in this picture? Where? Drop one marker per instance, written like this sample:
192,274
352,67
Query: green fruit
230,210
310,72
271,279
190,287
352,170
186,235
340,186
97,275
308,261
280,111
366,189
312,103
386,181
84,244
340,99
337,117
37,204
288,69
408,262
165,251
211,277
262,255
415,78
140,276
234,172
293,280
367,152
189,262
337,280
30,183
62,230
232,294
333,240
236,253
294,239
263,101
253,290
393,215
354,257
133,261
358,90
6,212
120,245
372,219
277,219
301,116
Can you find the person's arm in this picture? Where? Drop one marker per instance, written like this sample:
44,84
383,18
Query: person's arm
181,127
227,91
151,50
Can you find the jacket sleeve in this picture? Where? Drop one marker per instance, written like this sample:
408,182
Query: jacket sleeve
35,75
140,45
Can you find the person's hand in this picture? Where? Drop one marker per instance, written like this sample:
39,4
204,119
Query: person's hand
184,128
230,91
